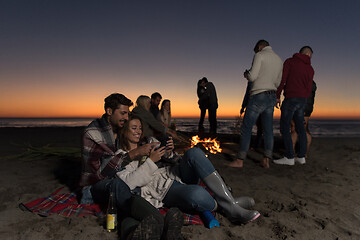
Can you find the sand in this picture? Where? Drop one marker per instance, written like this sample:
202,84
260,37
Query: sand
318,200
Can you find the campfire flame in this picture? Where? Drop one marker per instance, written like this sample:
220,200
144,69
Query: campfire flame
211,145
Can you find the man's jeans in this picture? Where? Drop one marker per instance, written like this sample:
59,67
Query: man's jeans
259,104
100,192
293,108
190,196
212,119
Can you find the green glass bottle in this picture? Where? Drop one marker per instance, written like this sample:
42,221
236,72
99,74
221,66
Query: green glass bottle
111,215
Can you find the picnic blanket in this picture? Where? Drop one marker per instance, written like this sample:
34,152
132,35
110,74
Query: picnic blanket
67,205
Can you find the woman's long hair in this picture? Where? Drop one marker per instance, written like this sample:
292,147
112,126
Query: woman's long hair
162,109
200,88
124,140
165,117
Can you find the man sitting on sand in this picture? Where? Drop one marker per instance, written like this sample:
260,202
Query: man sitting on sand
100,163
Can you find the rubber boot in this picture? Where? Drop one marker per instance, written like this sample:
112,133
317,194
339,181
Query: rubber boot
150,228
245,202
151,220
226,201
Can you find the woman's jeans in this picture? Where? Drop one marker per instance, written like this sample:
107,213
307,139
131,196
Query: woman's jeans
190,196
259,104
293,108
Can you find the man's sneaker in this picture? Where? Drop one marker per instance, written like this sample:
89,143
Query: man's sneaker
285,161
300,160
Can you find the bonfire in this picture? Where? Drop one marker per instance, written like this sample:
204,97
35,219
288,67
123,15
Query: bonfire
211,145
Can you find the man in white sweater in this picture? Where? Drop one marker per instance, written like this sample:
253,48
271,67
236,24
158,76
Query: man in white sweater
265,74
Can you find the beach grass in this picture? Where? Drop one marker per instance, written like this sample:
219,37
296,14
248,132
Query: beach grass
31,152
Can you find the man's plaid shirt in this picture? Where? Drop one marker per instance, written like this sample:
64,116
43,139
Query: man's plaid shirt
99,160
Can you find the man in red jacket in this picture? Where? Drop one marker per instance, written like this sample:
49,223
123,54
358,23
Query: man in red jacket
296,82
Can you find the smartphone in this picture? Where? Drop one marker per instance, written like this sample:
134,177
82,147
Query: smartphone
163,141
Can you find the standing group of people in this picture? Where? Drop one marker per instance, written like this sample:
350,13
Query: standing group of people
268,77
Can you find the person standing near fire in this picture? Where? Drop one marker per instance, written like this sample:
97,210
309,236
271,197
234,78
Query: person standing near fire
297,81
265,73
212,104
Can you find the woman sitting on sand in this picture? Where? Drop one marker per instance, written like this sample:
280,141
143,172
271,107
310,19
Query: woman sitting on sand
176,185
165,113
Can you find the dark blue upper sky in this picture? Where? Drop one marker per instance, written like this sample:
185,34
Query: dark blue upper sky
138,47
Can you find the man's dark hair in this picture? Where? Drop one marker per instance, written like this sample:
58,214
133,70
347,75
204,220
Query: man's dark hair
204,79
261,42
115,100
155,95
306,49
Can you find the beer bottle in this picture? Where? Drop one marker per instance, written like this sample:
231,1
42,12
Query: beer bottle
111,215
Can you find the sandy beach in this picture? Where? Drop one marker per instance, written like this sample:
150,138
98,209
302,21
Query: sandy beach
318,200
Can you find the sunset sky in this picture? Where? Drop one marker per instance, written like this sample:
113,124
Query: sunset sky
61,58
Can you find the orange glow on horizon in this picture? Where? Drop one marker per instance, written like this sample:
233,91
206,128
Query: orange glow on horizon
62,102
80,105
95,113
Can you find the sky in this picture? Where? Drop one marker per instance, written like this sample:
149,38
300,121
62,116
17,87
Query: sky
61,58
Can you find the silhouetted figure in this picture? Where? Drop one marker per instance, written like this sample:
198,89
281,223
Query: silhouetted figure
203,104
210,93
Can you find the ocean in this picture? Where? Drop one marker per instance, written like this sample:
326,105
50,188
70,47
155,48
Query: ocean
318,127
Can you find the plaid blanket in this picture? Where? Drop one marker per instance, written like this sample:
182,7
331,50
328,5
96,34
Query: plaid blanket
66,204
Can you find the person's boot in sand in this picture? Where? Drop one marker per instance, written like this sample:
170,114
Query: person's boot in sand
151,227
173,223
245,202
235,213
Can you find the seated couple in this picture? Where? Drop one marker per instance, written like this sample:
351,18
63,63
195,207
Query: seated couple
103,160
137,218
